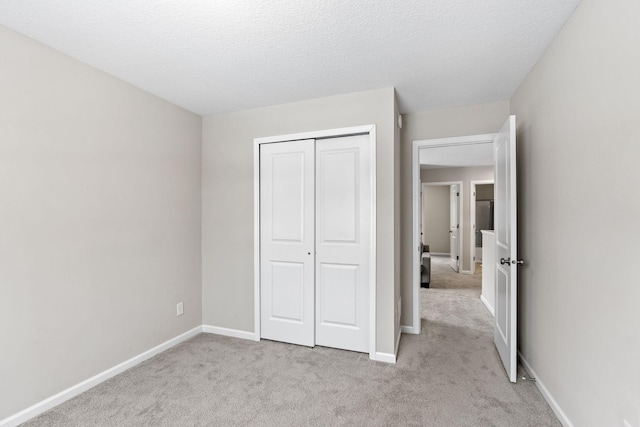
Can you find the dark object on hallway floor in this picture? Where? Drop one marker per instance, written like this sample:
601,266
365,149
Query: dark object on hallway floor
425,266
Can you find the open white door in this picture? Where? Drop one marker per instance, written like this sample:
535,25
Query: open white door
343,242
287,242
505,329
454,227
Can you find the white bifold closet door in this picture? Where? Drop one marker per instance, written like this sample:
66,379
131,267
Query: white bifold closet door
315,242
287,243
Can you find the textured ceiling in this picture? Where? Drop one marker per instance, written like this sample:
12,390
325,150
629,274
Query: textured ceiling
212,56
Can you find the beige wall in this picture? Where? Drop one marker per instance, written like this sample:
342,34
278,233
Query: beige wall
471,120
466,175
100,222
436,218
227,197
577,113
484,192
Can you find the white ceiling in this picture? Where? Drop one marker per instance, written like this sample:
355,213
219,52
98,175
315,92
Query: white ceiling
457,156
226,55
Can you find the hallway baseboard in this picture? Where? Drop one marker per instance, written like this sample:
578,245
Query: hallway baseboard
562,417
486,303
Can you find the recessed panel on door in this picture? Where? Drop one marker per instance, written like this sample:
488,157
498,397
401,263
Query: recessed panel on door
288,196
338,195
502,303
338,294
287,293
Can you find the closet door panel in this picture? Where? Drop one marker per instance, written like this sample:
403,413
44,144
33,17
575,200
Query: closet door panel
287,242
343,224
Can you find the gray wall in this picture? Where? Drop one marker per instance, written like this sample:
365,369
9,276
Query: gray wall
471,120
578,133
100,221
466,175
436,217
484,192
227,197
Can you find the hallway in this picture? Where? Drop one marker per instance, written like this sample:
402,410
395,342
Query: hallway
465,379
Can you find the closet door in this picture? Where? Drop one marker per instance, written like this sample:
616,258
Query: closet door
343,242
287,242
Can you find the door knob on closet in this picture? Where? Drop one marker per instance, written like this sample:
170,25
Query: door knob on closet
518,262
505,261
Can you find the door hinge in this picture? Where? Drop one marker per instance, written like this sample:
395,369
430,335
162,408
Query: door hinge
457,194
457,257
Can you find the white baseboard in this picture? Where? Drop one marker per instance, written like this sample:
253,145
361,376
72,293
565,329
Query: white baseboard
564,420
484,300
85,385
410,330
440,253
467,272
208,329
385,357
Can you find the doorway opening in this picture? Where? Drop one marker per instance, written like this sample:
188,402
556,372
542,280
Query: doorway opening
502,151
433,157
481,208
441,208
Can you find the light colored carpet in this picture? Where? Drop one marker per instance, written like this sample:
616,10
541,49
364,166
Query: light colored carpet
449,375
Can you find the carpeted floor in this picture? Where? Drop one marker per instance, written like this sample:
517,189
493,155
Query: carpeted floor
449,375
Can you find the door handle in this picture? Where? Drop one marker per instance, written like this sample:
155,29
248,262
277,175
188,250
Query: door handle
511,261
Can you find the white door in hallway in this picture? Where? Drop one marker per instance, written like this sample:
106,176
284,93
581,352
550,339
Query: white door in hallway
454,227
343,242
287,242
506,287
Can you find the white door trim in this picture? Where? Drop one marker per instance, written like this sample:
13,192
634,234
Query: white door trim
472,218
320,134
415,189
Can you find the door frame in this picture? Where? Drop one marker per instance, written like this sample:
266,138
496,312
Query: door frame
472,218
415,327
319,134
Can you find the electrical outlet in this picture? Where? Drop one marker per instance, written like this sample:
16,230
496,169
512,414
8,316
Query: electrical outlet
179,309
